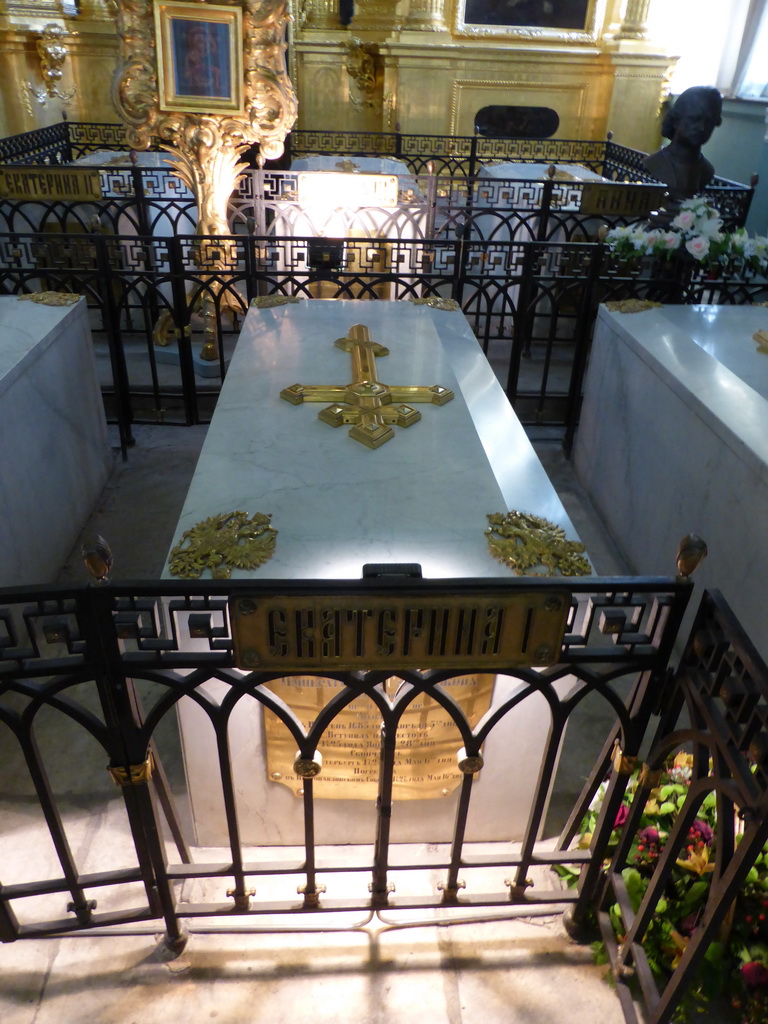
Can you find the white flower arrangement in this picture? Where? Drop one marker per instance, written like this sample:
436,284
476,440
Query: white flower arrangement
696,230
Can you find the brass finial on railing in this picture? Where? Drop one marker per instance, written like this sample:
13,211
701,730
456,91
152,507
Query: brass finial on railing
98,559
691,552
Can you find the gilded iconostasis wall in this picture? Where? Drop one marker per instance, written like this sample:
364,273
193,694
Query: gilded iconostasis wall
425,66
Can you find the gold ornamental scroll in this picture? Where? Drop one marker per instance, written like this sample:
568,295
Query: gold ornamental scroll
427,739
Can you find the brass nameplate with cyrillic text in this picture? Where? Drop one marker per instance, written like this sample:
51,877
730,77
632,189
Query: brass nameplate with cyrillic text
393,632
71,183
619,199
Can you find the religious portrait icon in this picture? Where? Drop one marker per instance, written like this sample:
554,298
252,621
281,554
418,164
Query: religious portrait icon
199,57
528,18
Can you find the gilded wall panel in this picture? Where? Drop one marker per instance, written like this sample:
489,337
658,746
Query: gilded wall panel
82,92
436,68
577,86
94,57
332,97
569,99
640,84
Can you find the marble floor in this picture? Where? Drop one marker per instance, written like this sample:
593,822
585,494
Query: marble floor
523,971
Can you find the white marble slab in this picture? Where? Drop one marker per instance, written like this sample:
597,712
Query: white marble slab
122,158
53,436
422,497
672,441
538,172
361,164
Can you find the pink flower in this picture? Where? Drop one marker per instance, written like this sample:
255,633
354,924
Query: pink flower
684,220
621,816
697,247
755,974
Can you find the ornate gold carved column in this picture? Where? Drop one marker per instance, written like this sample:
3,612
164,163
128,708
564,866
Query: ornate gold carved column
376,16
635,17
97,10
426,15
205,148
320,14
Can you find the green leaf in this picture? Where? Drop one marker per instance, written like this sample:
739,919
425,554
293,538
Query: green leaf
694,898
715,952
616,922
672,788
599,952
569,876
636,886
668,807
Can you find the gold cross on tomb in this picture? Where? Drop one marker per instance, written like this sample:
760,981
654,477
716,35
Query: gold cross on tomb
370,406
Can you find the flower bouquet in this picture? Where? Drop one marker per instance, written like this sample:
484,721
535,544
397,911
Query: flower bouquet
736,964
697,232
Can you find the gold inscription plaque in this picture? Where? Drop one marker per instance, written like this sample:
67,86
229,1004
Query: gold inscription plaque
427,739
50,183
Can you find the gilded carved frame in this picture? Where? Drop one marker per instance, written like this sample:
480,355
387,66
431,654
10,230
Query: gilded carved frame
199,56
260,108
574,21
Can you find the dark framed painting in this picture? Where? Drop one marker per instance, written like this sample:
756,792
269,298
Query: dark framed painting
561,19
199,56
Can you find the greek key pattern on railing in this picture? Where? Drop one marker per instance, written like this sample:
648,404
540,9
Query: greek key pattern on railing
85,137
567,151
308,143
48,145
156,625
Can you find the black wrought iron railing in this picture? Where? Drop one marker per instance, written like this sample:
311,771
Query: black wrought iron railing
451,156
530,304
104,671
107,673
521,257
717,710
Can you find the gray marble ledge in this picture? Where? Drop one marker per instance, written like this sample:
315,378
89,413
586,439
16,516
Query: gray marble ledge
28,330
707,357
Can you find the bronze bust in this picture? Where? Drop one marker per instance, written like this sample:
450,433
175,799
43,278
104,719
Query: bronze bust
688,125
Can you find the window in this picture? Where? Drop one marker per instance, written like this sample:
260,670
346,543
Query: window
719,42
752,71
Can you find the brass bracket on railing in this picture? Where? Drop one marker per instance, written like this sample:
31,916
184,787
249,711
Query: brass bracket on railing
450,892
307,767
649,778
242,898
380,899
82,911
469,764
622,765
133,774
311,898
517,892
